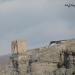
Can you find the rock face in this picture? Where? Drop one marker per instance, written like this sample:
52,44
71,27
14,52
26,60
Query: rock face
58,58
50,57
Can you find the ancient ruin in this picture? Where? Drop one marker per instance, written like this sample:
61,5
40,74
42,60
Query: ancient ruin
58,58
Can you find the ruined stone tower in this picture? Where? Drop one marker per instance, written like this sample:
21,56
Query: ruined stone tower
18,47
18,58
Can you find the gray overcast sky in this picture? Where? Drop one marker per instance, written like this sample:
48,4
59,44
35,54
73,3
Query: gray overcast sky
36,21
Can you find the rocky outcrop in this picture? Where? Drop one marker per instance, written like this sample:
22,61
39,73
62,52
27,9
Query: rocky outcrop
45,60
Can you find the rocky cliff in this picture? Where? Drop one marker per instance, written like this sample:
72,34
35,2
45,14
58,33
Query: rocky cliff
45,60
